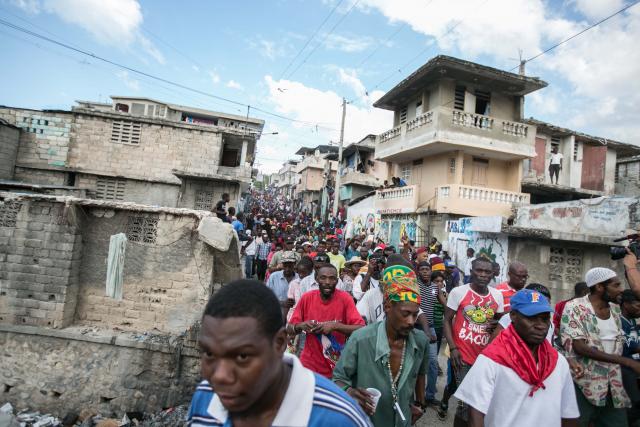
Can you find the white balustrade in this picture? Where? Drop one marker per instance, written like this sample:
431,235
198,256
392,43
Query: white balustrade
390,134
515,129
396,193
477,121
483,194
421,120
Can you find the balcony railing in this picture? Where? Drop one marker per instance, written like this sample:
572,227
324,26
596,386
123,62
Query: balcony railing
471,120
421,120
477,201
515,129
397,200
390,134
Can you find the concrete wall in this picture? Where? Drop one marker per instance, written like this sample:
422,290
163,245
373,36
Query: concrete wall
628,181
161,149
560,265
136,191
45,136
72,370
9,138
311,179
193,188
39,263
40,176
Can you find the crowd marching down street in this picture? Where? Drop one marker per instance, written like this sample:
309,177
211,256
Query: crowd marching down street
332,331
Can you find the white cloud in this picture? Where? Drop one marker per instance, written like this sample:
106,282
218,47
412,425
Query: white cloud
268,48
130,83
598,9
348,43
30,6
215,77
350,78
151,49
234,85
195,68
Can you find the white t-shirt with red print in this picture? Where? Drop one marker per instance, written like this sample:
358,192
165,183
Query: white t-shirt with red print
473,313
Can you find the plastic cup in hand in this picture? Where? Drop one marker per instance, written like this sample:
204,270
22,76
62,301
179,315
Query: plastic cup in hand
375,396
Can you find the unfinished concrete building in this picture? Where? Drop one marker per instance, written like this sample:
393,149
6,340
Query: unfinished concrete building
137,149
70,340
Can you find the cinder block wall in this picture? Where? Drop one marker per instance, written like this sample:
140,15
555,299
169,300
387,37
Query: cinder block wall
39,263
9,139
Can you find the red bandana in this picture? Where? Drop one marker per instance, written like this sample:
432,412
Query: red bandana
509,350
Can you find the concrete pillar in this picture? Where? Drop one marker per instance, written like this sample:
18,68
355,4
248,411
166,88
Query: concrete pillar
243,152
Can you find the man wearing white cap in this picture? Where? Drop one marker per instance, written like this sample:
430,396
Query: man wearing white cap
591,331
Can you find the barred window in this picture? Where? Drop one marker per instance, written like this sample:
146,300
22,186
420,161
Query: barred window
125,132
565,264
204,200
110,188
9,213
142,229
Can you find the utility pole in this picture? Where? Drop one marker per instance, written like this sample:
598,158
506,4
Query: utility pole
336,190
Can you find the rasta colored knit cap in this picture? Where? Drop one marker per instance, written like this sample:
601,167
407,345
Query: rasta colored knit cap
399,284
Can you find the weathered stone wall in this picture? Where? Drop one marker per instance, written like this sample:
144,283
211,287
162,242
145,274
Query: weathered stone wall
39,176
58,371
39,263
197,194
161,148
143,192
9,137
628,179
166,282
45,136
559,265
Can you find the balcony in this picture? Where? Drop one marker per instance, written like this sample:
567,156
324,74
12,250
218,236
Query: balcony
445,129
477,201
352,177
242,173
396,200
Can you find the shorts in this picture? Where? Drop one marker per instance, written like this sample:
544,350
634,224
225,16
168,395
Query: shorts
462,411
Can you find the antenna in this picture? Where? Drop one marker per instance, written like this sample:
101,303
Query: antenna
521,62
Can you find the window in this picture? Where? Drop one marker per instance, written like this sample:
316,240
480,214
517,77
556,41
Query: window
403,115
137,109
125,132
419,108
151,110
204,200
161,110
458,99
142,229
575,151
124,108
405,172
622,171
9,213
555,143
452,166
110,188
565,264
483,102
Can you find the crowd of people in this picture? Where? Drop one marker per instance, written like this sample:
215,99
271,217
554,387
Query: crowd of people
329,330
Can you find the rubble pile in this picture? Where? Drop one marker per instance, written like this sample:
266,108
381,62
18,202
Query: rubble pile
172,417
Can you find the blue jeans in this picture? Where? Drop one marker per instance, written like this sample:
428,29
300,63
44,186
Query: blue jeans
432,371
248,266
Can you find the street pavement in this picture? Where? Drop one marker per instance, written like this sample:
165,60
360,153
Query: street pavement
430,418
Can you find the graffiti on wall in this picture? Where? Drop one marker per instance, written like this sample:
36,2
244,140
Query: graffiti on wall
462,235
393,228
361,218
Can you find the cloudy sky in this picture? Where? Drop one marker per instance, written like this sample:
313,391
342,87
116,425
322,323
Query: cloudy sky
298,58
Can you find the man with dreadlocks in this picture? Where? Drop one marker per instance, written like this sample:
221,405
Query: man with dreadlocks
389,356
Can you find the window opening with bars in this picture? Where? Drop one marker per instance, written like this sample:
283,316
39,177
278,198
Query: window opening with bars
565,265
575,151
483,102
125,132
458,100
9,213
204,200
110,188
142,229
403,115
452,166
405,172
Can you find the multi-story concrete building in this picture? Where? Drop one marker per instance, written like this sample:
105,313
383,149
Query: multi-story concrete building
315,173
361,173
458,140
139,150
590,165
287,179
627,176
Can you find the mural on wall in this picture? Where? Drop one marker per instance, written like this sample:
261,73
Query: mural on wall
463,234
361,218
392,228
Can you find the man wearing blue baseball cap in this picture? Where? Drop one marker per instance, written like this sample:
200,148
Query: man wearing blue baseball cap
520,379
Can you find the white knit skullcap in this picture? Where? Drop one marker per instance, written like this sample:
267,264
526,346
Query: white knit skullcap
598,275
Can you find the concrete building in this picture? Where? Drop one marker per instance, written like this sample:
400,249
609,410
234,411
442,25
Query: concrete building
315,172
287,179
9,140
69,344
361,173
627,176
139,150
589,165
458,140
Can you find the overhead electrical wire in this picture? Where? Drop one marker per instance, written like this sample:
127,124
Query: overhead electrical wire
154,77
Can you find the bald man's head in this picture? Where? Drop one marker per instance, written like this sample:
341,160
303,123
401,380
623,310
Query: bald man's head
518,275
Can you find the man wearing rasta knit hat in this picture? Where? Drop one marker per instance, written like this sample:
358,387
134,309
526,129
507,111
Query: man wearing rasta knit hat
388,355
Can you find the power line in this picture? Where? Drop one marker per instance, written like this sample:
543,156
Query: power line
325,38
310,38
377,48
151,76
175,49
579,33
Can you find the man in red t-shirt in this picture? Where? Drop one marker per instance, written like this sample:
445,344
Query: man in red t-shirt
469,320
518,275
328,316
